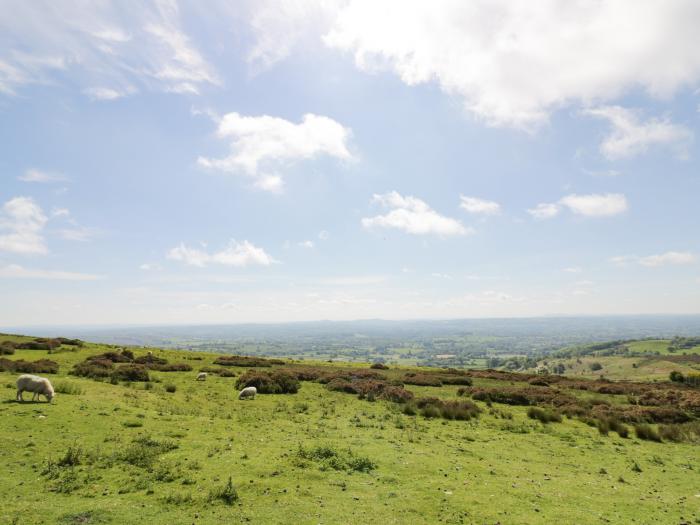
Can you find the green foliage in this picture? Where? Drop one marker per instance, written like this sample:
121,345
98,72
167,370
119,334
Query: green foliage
544,416
226,494
68,387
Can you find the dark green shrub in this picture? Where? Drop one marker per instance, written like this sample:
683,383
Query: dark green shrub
647,432
170,388
40,366
544,416
275,382
379,366
131,373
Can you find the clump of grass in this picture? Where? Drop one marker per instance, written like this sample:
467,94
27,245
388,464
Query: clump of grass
543,415
647,433
178,498
144,451
132,424
170,389
67,387
226,494
86,517
72,457
332,459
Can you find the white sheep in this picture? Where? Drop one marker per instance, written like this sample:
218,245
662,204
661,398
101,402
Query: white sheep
202,376
37,385
248,393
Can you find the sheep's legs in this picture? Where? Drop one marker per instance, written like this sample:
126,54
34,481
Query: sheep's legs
19,395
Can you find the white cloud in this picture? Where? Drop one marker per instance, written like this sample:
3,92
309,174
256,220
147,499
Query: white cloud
479,206
60,212
673,258
34,175
414,216
573,269
103,93
630,136
591,205
544,211
110,48
15,271
494,54
235,254
306,244
323,235
262,145
662,259
596,205
78,233
24,221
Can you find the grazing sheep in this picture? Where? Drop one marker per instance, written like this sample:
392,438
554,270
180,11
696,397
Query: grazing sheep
248,393
202,376
37,385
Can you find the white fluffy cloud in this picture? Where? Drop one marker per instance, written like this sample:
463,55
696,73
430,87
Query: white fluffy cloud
34,175
631,136
513,63
591,205
596,205
15,271
235,254
479,206
414,216
262,145
119,47
24,221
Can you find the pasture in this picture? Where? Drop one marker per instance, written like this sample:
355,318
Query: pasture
173,450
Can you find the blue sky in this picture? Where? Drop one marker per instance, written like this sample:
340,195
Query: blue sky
269,161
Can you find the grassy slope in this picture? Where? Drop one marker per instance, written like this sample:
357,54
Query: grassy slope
486,471
648,367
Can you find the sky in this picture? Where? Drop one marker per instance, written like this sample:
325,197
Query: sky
209,161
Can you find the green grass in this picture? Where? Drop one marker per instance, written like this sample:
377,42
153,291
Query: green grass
103,453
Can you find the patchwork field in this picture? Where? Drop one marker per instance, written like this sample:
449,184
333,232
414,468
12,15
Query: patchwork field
352,445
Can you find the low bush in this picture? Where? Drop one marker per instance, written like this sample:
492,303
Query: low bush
219,371
7,348
40,366
422,379
447,409
170,388
170,367
379,366
131,373
647,433
544,416
242,360
275,382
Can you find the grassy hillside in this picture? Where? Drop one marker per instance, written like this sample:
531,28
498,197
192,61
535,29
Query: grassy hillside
163,451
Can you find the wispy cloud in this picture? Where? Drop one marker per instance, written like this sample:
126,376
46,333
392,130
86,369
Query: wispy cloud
413,216
235,254
477,206
112,49
35,175
670,258
15,271
261,146
591,205
630,136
